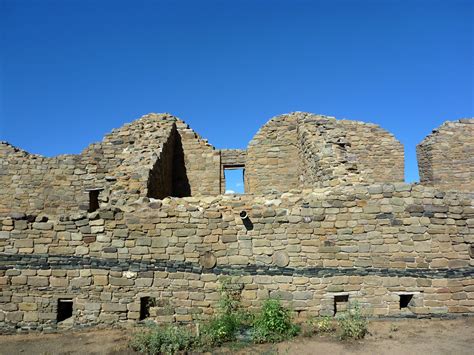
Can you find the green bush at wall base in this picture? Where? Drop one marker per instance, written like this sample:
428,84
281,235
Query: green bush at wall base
164,340
273,323
352,324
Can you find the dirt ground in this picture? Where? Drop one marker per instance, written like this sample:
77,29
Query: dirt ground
408,336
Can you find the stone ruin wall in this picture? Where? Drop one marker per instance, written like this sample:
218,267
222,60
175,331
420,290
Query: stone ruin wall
379,156
202,163
59,185
348,229
446,157
371,243
272,157
122,166
305,150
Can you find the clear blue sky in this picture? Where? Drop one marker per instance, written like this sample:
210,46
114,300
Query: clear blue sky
73,70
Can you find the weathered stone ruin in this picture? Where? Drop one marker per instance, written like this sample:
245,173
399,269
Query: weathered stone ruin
138,226
446,157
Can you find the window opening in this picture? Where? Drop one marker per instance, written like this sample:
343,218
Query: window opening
234,180
145,304
64,309
405,300
340,303
94,200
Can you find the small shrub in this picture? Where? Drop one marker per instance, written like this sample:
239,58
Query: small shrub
318,325
229,301
163,340
352,324
219,330
273,323
324,325
229,320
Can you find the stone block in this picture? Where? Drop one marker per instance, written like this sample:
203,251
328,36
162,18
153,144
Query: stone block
82,250
302,295
143,282
80,282
89,239
120,233
28,306
97,229
120,281
14,317
58,281
21,225
281,258
18,280
92,306
159,242
61,250
238,260
228,238
101,280
38,281
283,295
139,250
30,317
114,307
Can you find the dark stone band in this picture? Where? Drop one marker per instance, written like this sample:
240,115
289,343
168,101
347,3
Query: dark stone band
71,262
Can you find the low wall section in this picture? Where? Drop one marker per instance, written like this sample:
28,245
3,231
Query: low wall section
369,244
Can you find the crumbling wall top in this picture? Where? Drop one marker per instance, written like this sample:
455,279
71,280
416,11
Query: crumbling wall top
446,156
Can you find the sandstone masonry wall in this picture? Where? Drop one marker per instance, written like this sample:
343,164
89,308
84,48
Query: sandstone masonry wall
328,217
306,150
446,157
122,165
379,155
369,242
203,165
272,157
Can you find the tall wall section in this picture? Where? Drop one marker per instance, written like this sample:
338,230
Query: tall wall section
272,162
371,244
302,150
446,157
202,160
378,154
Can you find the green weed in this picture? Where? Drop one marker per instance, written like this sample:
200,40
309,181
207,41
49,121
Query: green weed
352,324
273,323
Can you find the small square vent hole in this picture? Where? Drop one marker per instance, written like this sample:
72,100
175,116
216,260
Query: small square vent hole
64,309
405,300
341,303
145,304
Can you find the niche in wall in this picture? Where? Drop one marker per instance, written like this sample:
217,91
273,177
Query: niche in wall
93,200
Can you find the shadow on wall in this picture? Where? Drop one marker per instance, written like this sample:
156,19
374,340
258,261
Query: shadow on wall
168,176
181,186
